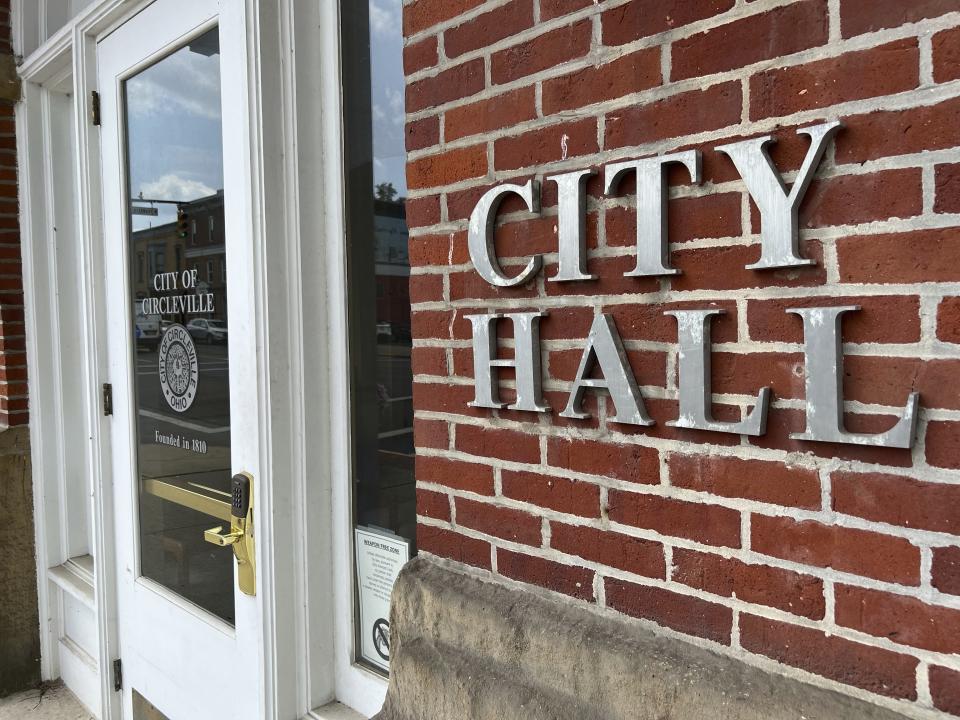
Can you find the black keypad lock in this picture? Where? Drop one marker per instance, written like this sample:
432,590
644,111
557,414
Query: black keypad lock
240,491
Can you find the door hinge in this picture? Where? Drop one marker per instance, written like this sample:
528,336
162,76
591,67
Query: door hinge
95,107
107,399
117,675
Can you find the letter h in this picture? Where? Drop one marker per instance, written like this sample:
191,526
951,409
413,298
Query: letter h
526,361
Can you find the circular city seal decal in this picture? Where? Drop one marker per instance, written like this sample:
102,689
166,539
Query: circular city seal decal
179,369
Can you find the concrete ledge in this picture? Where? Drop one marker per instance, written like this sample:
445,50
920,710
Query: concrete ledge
465,648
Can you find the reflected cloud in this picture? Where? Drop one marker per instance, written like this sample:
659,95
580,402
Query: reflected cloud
185,82
174,187
384,21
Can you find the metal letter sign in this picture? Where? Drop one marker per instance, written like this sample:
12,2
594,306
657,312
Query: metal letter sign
824,385
603,347
653,251
693,332
778,209
526,360
480,234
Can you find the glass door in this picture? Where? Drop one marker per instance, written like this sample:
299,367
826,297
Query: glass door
184,507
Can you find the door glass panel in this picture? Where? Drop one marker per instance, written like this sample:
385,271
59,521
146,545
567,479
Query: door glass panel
179,316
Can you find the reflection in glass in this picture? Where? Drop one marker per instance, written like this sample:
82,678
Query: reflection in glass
179,311
379,268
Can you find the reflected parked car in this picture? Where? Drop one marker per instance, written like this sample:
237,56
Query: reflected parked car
208,331
146,330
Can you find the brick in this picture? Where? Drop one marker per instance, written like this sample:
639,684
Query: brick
632,463
647,322
856,199
634,555
701,522
887,133
453,545
484,116
863,16
429,361
556,493
943,444
573,581
889,380
420,55
610,280
859,552
687,113
688,615
488,28
426,288
909,257
642,18
430,324
422,134
543,52
863,666
945,689
883,70
778,32
546,144
433,504
945,572
427,250
458,82
782,589
778,482
946,55
487,442
947,188
881,319
688,218
430,434
571,323
423,211
783,422
724,268
455,474
423,14
623,76
550,9
447,167
897,500
745,374
469,285
501,522
898,618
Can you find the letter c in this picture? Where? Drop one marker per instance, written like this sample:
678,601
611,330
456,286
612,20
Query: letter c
480,235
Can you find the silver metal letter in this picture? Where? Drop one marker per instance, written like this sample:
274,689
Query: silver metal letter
526,360
693,335
778,209
604,348
480,234
571,225
653,249
824,385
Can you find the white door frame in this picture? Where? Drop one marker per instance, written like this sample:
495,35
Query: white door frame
293,165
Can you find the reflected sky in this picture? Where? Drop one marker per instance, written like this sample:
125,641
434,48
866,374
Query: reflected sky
387,93
173,126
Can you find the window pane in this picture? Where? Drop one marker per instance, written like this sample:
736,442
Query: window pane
379,269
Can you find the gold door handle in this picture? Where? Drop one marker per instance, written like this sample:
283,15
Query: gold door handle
240,537
218,537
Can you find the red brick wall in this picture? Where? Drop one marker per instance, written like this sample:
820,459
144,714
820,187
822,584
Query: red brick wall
839,563
13,354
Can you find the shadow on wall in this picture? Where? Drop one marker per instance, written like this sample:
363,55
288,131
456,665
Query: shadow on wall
19,623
